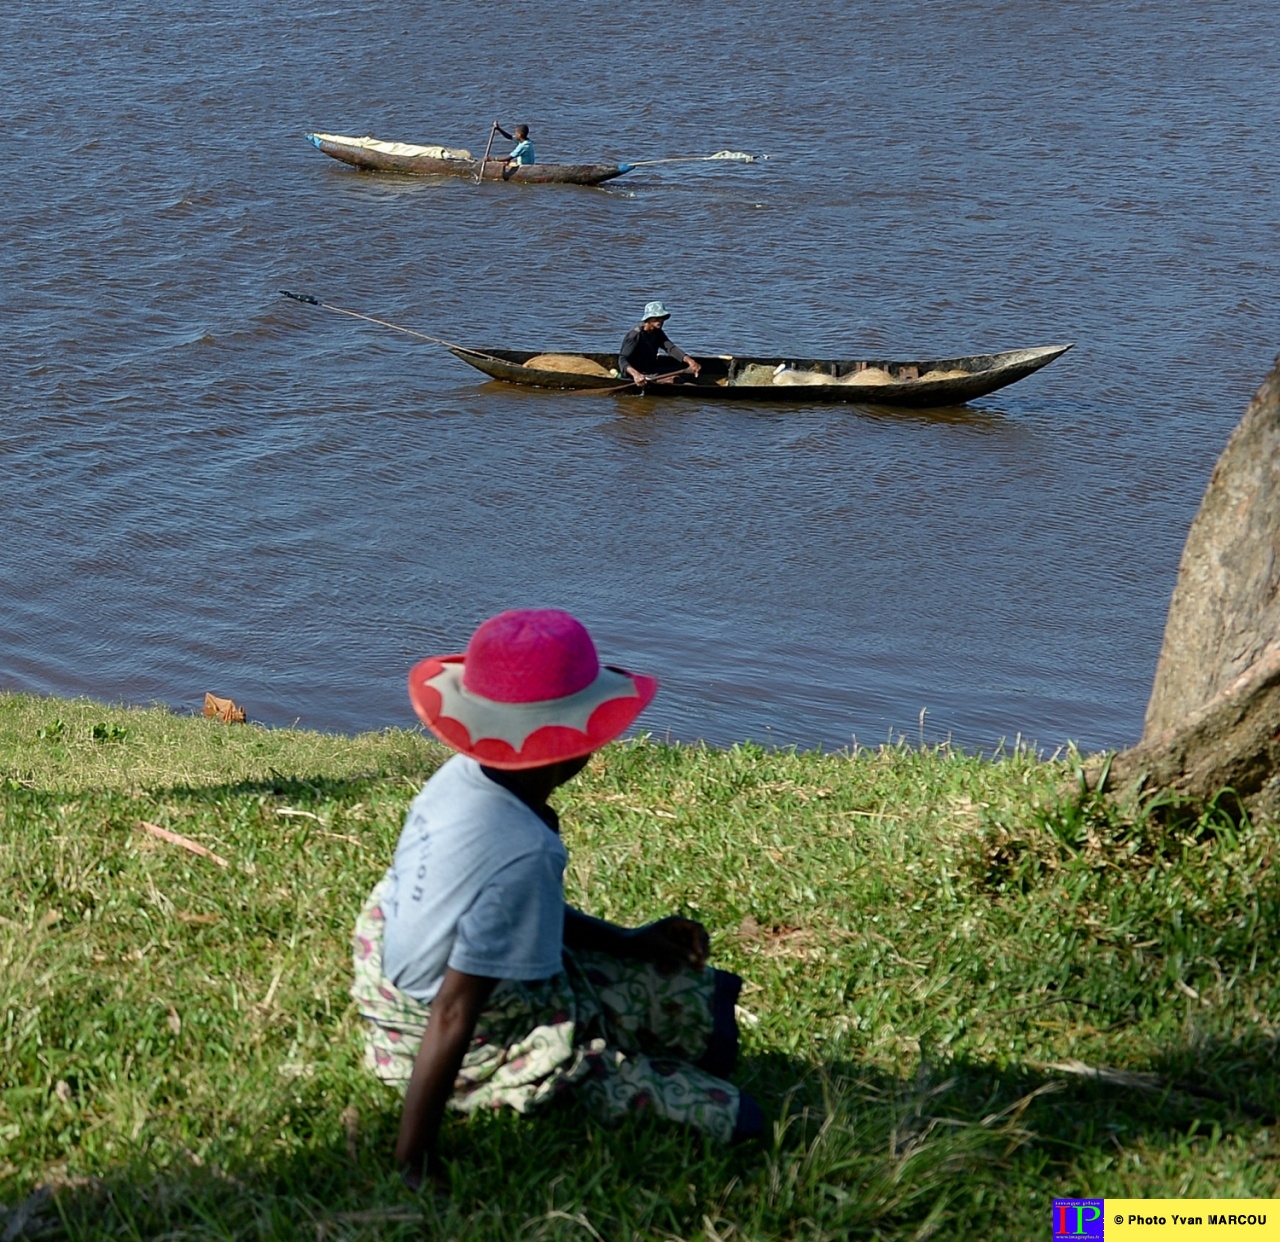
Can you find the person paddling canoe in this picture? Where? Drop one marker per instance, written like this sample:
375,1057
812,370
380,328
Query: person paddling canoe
638,356
522,152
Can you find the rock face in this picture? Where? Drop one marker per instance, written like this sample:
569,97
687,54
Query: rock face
1226,604
1213,721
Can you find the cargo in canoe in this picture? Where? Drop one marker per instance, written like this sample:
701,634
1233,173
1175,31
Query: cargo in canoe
405,157
920,383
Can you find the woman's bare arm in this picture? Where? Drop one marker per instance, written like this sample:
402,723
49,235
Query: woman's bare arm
671,942
452,1024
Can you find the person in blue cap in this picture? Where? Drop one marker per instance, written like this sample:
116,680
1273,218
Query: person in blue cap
638,357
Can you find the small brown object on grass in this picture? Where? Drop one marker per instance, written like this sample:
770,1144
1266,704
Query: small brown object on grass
203,920
186,842
226,710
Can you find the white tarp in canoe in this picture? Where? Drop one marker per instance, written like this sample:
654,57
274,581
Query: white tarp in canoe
398,148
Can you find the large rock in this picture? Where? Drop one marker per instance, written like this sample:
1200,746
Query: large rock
1214,716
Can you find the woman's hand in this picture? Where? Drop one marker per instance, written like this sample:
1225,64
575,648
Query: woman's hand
671,943
436,1173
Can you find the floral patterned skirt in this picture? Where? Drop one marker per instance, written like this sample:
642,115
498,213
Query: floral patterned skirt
618,1033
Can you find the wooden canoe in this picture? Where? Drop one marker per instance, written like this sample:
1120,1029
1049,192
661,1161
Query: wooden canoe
738,377
403,157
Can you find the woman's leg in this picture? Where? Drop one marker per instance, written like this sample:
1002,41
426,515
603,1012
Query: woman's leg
687,1014
670,1040
622,1083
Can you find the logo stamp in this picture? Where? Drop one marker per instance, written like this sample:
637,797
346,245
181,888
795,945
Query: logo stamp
1079,1219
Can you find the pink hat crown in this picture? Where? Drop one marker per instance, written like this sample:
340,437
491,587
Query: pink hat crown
530,655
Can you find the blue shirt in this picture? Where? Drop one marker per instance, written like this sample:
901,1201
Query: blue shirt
477,883
522,152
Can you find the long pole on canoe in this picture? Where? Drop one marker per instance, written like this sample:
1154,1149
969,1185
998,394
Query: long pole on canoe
422,336
485,157
342,310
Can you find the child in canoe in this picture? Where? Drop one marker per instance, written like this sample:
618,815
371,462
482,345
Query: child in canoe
522,152
479,986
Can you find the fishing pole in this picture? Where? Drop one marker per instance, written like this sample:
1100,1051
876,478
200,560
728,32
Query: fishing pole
484,158
342,310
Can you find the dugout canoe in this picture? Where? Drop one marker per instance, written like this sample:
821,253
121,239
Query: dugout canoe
918,383
404,157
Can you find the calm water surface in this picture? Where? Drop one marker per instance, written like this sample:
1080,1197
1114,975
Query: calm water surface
204,486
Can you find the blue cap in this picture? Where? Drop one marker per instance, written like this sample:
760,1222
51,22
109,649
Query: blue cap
656,310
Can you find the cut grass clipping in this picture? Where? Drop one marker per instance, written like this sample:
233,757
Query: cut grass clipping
966,994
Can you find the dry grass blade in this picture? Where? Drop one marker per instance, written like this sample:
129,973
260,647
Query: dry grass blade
350,1119
185,842
378,1214
338,1224
576,1218
1101,1073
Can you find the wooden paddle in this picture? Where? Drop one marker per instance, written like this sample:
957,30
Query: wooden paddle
668,377
487,149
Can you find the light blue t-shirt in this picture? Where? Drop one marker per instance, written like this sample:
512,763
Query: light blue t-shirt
477,883
522,152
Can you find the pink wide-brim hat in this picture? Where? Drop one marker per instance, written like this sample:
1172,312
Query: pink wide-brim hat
529,690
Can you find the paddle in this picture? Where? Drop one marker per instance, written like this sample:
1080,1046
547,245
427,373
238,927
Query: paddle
487,149
668,377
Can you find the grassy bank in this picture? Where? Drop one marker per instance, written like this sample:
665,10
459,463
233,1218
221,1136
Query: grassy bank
938,949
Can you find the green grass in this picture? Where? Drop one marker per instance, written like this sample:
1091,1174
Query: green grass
929,938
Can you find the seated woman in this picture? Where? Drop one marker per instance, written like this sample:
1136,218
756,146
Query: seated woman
480,987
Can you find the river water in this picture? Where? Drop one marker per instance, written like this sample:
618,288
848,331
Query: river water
205,486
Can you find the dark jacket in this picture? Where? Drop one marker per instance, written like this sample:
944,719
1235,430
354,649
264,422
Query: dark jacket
640,350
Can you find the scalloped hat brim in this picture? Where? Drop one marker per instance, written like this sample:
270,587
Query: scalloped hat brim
525,735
